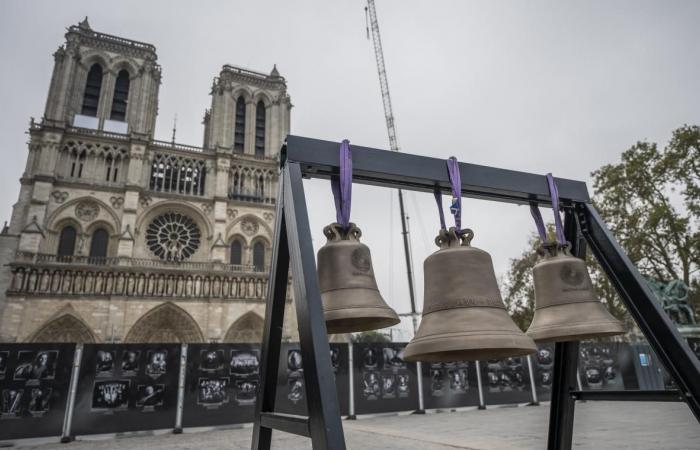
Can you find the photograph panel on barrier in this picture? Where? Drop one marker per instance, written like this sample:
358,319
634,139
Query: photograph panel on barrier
121,383
384,382
221,384
506,381
34,385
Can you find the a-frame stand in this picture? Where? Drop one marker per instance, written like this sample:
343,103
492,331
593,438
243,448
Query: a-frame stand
311,158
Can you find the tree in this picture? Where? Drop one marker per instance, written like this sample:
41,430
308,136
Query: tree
651,202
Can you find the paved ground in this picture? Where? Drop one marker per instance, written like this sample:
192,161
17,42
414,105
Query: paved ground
599,425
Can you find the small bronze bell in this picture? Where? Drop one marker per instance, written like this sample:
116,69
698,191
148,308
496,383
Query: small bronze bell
566,307
351,300
463,314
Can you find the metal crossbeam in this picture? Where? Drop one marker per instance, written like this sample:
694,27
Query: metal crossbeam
629,396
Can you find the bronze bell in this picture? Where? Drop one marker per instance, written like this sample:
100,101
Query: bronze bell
463,314
566,306
351,300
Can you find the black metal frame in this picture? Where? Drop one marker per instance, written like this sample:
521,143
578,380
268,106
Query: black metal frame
311,158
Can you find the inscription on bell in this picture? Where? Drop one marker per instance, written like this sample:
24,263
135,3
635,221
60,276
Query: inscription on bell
361,260
571,275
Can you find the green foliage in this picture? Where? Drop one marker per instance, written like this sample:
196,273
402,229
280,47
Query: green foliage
651,202
370,336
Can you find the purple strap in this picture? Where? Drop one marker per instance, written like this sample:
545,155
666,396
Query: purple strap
342,186
554,194
456,205
535,211
456,182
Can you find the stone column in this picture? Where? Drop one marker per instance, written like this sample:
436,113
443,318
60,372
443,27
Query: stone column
104,106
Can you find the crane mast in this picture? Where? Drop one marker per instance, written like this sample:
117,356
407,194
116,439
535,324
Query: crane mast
373,27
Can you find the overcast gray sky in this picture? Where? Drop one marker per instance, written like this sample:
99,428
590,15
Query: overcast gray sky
536,86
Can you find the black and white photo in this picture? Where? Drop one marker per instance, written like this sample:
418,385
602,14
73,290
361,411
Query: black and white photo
110,395
245,363
11,405
34,366
150,395
295,389
212,391
130,362
157,363
4,356
104,363
39,399
211,360
246,392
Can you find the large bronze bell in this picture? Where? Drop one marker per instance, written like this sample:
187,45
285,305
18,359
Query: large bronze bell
566,306
463,314
351,300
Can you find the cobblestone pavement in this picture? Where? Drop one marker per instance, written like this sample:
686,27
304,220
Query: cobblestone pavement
599,425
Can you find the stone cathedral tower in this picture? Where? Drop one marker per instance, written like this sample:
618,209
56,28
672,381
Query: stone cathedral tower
117,237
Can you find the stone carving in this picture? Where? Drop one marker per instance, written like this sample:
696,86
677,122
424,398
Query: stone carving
268,216
173,236
232,213
116,202
60,196
145,200
250,227
207,208
87,210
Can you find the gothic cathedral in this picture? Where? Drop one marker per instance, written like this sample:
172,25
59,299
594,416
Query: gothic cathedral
118,237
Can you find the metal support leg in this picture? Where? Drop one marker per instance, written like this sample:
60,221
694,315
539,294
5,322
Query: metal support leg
66,434
421,404
272,331
181,390
326,428
480,389
351,383
561,413
660,332
533,387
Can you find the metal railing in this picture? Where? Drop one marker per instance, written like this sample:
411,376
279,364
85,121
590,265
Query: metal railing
123,261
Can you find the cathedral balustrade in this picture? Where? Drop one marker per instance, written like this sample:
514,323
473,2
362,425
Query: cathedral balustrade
41,274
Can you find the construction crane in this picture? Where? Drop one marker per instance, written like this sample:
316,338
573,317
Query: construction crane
373,25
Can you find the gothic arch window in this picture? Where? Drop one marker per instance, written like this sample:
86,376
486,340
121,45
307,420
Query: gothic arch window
247,329
66,241
236,252
77,162
121,95
260,129
260,187
239,128
170,173
98,246
259,256
166,323
93,85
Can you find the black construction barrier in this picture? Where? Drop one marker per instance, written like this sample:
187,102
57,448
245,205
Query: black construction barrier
291,392
126,387
450,385
506,381
34,389
221,384
384,382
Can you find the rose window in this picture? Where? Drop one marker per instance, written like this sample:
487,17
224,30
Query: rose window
173,236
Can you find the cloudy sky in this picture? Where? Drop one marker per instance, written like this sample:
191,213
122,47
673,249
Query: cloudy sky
536,86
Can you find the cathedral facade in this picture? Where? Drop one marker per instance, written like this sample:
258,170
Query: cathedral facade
118,237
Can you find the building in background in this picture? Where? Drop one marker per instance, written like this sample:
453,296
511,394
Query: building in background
117,237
